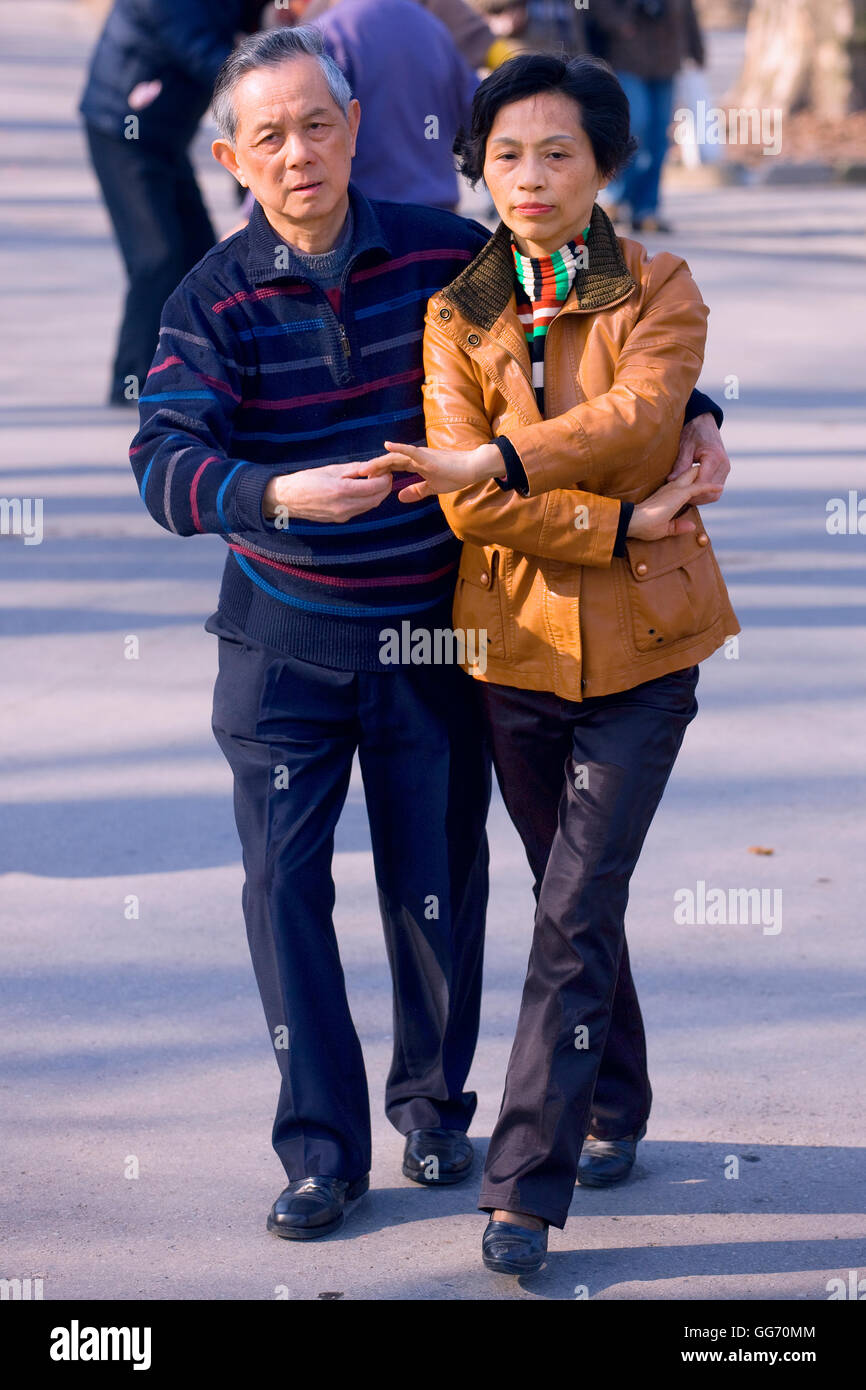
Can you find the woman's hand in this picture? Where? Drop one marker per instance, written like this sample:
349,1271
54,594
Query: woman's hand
442,470
657,517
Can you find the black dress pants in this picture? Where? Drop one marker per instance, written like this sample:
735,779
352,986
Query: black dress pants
289,729
162,228
581,781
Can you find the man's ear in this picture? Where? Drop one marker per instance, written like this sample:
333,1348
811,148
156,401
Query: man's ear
224,154
354,118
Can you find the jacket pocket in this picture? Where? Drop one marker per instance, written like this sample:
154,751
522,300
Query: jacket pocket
478,600
672,592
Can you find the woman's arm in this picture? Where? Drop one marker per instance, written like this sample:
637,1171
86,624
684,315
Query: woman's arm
628,436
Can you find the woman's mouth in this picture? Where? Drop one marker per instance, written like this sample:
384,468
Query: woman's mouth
533,209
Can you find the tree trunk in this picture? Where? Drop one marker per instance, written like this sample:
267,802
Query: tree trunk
805,55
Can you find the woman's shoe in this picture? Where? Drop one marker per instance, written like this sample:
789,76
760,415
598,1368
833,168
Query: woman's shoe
509,1249
606,1161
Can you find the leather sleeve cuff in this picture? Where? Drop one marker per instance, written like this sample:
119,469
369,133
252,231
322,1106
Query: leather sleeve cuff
625,511
515,476
699,404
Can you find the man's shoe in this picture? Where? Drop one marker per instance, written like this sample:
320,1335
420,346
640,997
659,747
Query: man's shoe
509,1249
606,1161
313,1207
437,1157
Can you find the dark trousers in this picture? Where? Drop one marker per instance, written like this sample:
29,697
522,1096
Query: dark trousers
289,730
163,230
581,782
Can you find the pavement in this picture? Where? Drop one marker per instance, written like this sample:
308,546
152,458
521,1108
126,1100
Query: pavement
138,1080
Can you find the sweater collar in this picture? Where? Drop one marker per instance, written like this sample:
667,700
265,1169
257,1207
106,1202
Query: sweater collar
482,291
367,235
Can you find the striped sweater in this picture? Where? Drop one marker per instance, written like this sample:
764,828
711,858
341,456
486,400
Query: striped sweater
260,372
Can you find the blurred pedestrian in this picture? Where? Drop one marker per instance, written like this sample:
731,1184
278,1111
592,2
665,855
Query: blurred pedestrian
472,34
150,82
537,26
415,91
646,43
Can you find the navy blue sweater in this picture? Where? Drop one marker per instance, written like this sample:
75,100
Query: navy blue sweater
260,372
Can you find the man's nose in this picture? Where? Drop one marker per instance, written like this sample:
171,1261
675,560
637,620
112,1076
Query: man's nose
297,151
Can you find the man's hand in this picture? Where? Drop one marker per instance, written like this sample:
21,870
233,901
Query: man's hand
443,470
656,518
334,492
701,443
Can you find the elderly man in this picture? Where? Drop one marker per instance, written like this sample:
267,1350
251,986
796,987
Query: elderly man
286,358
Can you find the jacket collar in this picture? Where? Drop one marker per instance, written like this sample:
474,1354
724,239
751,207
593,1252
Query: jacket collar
482,291
367,235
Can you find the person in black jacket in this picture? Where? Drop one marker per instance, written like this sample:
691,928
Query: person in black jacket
150,82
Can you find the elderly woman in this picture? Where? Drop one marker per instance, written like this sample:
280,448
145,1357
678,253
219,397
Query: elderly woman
558,366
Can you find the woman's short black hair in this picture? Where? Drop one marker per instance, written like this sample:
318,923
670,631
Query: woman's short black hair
592,85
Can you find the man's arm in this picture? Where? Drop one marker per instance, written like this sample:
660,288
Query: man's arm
187,477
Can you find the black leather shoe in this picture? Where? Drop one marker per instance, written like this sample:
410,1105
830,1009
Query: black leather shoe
509,1249
437,1157
313,1207
606,1161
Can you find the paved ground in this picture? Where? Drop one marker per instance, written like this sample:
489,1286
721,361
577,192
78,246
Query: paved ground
144,1038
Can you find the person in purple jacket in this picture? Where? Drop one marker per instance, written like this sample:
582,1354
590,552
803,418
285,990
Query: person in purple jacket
415,91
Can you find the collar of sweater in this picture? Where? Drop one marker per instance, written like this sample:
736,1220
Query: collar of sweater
481,292
270,258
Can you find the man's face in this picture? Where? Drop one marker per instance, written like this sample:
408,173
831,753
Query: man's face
294,146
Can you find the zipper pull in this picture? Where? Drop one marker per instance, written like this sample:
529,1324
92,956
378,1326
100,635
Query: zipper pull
344,339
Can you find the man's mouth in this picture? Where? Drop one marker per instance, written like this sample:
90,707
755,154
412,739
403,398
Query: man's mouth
304,187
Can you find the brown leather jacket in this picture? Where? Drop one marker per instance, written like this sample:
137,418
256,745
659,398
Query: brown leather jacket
561,612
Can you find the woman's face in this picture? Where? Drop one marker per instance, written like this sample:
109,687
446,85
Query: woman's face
540,170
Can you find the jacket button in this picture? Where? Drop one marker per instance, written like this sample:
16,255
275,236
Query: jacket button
485,580
641,568
444,313
703,538
473,340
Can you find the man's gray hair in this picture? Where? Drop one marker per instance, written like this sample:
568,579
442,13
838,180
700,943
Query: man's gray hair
269,50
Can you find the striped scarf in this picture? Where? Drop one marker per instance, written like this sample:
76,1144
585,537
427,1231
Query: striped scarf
543,283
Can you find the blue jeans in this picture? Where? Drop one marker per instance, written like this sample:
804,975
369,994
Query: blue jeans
651,102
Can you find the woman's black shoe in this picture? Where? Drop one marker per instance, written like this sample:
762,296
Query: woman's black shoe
509,1249
606,1161
313,1207
437,1157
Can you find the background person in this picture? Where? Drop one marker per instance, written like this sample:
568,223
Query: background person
404,147
150,82
646,43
